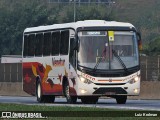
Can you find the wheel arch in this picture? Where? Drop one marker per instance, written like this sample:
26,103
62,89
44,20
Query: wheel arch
38,79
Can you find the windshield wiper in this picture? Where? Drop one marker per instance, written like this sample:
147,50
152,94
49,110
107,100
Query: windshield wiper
120,60
99,60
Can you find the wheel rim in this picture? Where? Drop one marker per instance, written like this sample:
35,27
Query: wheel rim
39,91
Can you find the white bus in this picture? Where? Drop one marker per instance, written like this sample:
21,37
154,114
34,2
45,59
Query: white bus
85,60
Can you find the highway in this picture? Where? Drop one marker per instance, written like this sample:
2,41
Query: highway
102,103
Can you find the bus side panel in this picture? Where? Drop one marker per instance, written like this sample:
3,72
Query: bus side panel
54,80
50,75
31,70
28,79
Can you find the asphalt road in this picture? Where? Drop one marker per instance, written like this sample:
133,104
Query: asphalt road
102,103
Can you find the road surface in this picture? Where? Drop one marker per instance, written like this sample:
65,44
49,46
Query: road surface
102,103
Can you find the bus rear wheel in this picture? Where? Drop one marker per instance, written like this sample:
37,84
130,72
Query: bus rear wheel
69,98
121,99
43,98
89,99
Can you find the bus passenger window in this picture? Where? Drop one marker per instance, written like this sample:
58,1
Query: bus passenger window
47,44
55,43
31,41
64,42
25,48
38,44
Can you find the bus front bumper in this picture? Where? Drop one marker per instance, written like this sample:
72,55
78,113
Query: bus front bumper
109,90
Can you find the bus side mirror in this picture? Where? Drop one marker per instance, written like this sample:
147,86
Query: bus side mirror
77,43
139,41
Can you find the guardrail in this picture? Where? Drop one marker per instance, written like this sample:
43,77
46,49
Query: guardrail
11,78
150,70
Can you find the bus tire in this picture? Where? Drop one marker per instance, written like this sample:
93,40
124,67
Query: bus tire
43,98
89,99
40,97
70,99
121,99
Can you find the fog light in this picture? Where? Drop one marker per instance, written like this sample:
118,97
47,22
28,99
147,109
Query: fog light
83,91
135,90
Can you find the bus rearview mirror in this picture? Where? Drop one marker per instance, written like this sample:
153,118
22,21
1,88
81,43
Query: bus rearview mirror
139,41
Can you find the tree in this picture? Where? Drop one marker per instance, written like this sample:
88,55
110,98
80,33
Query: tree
17,15
153,47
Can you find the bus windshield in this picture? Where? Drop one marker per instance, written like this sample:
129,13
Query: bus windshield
100,50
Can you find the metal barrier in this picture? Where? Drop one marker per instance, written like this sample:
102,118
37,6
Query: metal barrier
150,70
11,78
11,72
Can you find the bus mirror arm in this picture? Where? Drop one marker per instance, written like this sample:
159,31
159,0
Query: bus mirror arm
77,46
74,44
77,43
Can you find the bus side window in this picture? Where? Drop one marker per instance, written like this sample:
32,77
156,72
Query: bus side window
25,48
64,42
31,41
38,44
55,43
47,44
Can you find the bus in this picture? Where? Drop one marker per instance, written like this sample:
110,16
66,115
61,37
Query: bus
81,60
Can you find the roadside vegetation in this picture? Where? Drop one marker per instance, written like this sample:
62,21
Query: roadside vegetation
16,15
63,110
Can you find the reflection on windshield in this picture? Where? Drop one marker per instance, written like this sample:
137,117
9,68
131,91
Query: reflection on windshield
96,50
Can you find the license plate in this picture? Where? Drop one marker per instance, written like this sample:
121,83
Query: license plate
110,93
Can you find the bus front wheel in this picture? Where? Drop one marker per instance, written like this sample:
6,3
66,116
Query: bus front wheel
70,99
121,99
43,98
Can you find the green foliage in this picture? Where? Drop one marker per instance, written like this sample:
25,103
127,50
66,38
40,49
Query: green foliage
84,12
17,15
144,14
153,48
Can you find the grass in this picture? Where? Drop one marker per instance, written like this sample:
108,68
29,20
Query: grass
64,110
21,107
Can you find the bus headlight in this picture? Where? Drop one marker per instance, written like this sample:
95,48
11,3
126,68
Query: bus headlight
84,80
134,80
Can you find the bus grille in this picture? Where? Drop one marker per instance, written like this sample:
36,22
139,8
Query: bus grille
115,90
109,83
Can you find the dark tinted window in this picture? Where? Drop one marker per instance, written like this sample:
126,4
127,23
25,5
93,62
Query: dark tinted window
47,44
25,48
31,40
55,43
64,42
39,44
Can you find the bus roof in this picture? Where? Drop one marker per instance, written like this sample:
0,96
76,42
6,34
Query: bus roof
75,25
